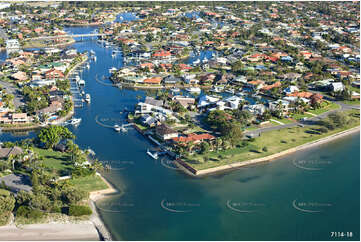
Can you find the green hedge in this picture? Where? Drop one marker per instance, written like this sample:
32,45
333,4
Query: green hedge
79,210
27,212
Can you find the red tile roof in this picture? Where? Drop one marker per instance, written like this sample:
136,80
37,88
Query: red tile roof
194,138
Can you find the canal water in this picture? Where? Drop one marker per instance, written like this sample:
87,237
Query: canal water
304,196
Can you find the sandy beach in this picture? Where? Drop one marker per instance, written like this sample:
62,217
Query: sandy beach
51,231
236,165
92,229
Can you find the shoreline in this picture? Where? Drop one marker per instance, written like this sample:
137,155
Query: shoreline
197,173
91,229
96,219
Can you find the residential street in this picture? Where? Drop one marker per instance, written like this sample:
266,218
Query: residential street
309,121
18,98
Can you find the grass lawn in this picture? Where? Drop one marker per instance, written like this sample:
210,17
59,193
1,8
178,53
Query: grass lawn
299,116
88,183
275,141
353,102
283,120
325,108
54,160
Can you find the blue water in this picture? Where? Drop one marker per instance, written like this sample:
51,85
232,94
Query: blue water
256,203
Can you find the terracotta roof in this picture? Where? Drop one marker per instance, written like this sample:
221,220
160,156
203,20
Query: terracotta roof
193,138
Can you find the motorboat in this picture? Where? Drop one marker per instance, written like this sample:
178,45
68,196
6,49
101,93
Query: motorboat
194,89
197,61
81,82
175,89
74,121
113,69
153,155
117,128
87,98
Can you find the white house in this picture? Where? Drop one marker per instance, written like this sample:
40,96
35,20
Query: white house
12,45
291,89
337,86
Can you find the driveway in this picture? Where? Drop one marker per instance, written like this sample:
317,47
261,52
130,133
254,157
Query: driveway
17,182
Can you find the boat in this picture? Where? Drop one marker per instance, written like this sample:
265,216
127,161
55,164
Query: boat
82,92
94,58
175,89
92,52
74,121
197,61
88,66
117,128
113,69
81,82
87,98
217,89
231,91
153,155
194,89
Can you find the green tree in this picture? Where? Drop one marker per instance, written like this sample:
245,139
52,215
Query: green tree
51,135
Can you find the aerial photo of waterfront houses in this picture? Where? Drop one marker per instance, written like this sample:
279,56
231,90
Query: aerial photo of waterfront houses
180,121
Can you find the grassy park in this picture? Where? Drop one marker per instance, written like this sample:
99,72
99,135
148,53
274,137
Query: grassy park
268,143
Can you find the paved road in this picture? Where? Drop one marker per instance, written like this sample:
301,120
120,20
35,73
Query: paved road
3,34
17,183
18,98
309,121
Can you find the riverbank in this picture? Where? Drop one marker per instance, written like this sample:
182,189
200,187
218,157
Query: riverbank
95,218
194,172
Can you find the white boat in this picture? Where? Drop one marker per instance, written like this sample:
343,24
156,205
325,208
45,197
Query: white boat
117,128
217,89
92,52
81,82
231,91
194,89
113,69
74,121
94,58
197,61
153,155
175,89
82,92
87,98
113,54
88,66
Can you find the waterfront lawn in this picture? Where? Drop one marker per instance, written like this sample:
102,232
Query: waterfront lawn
325,107
275,141
57,162
88,183
282,120
299,116
353,102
